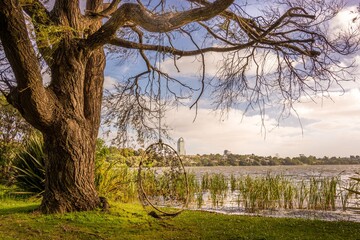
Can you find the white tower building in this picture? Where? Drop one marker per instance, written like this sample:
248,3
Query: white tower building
181,147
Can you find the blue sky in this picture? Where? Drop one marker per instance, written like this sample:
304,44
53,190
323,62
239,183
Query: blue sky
326,127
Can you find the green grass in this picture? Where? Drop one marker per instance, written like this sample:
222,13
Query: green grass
18,220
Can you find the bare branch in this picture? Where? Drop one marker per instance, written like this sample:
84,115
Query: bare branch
174,51
166,22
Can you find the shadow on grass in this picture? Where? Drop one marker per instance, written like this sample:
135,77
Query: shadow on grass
8,209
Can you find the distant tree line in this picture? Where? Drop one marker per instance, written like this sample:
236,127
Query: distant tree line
132,158
254,160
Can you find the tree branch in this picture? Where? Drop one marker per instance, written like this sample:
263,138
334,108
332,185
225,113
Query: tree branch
40,18
182,53
67,13
141,17
108,9
249,26
36,104
289,13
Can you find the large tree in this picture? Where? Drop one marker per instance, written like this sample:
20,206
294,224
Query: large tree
65,40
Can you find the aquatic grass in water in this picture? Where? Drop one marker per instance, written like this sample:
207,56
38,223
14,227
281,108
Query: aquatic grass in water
250,193
233,183
301,194
269,192
205,181
322,193
289,193
193,186
199,197
218,187
350,190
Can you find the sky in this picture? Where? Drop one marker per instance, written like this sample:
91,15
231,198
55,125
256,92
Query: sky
326,127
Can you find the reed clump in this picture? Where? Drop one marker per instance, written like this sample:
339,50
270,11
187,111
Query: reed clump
322,193
267,192
249,193
272,192
218,187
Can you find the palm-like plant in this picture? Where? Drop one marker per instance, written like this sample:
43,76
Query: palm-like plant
113,179
29,166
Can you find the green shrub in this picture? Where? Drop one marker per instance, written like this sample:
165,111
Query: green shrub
29,165
113,179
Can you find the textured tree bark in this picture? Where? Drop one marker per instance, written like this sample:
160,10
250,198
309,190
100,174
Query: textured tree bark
77,81
69,169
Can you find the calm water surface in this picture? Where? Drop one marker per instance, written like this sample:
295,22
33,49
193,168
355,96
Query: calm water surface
296,172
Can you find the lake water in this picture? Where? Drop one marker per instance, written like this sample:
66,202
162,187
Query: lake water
295,173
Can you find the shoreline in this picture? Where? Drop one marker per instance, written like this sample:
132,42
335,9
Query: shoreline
323,215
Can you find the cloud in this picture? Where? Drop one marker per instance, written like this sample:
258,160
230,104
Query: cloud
334,130
342,106
209,134
344,20
192,66
109,82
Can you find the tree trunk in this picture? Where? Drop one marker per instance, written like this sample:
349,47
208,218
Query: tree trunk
69,170
67,112
77,82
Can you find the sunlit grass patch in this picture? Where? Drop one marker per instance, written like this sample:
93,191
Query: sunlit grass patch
130,221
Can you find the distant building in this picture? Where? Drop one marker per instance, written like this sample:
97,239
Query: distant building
227,152
181,147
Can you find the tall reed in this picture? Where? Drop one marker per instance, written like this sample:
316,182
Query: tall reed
269,192
205,181
302,193
322,193
193,186
266,192
218,187
233,183
350,191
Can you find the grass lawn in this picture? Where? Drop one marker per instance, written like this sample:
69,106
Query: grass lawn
129,221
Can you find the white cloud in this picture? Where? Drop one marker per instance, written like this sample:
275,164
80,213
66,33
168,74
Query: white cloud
343,21
109,82
192,66
333,131
210,135
340,106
